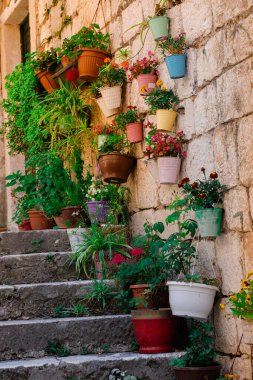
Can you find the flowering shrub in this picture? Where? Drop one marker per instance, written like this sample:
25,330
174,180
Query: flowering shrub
241,303
103,129
72,75
172,45
203,193
120,259
111,74
164,144
97,191
161,98
130,116
144,66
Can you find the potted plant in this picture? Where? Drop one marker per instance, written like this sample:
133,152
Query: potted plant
130,121
199,361
102,131
204,197
190,295
173,49
115,161
162,102
145,71
95,91
93,48
111,77
68,52
44,64
98,201
168,149
99,246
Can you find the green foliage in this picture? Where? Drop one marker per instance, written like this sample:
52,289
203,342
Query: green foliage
200,352
56,348
111,74
161,98
172,45
74,311
114,143
100,294
124,118
50,258
43,61
117,374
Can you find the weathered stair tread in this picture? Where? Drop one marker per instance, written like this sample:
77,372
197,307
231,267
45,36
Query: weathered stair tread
36,268
39,300
29,338
32,241
90,367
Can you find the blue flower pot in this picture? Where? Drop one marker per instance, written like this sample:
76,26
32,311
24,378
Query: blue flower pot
176,65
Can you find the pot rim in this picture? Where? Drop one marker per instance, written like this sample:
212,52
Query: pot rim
97,50
117,154
152,18
107,87
139,286
217,366
69,207
166,109
192,284
149,74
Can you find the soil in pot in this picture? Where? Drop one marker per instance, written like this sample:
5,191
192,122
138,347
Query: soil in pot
116,167
89,62
154,330
39,221
70,217
200,373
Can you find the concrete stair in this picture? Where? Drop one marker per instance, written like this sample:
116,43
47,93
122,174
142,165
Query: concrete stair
35,280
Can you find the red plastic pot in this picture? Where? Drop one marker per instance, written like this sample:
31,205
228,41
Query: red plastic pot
134,132
146,82
197,373
154,330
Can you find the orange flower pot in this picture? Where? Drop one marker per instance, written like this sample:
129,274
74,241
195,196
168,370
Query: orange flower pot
89,62
47,81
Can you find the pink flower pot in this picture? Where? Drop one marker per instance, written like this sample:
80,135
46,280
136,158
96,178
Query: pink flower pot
147,80
168,169
134,132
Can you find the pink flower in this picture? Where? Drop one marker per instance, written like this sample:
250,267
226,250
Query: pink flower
176,38
184,154
137,251
118,259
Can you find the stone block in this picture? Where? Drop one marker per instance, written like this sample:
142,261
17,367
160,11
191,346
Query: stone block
167,193
132,15
41,9
115,7
210,58
185,118
187,86
235,91
197,19
176,21
139,218
115,28
206,263
224,11
206,109
241,366
236,205
245,152
149,8
225,154
146,187
72,6
229,256
56,18
45,33
67,32
248,251
251,201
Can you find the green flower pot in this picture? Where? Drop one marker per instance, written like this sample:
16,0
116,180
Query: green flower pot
159,26
209,221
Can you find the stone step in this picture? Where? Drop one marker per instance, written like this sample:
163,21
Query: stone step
13,243
35,268
89,367
39,300
28,339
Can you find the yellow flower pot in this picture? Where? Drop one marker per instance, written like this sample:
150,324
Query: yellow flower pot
165,119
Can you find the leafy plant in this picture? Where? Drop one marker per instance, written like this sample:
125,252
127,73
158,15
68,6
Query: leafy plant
74,311
103,129
115,143
100,294
50,258
117,374
44,61
172,45
166,145
111,74
124,118
57,349
200,352
144,66
161,98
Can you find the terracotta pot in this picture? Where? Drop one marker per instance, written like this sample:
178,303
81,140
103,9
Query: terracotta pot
47,81
89,62
134,132
25,225
154,330
146,300
70,217
66,61
200,373
147,80
3,229
116,167
39,221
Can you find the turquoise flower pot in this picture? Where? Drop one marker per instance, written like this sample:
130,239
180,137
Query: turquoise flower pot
209,221
159,26
176,65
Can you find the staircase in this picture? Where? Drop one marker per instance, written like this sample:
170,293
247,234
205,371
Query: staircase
35,279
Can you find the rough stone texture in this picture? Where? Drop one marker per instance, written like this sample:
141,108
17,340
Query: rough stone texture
236,207
144,180
28,339
248,251
39,300
224,11
206,113
138,219
245,141
35,268
130,16
147,367
241,366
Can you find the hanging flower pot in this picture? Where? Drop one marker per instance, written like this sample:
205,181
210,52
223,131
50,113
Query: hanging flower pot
134,132
116,167
46,80
176,65
197,373
209,221
98,211
166,119
168,169
191,299
89,62
146,82
154,330
70,217
159,26
39,220
107,112
111,96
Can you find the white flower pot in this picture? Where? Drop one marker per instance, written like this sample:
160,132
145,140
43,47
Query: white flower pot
111,96
168,169
191,299
104,109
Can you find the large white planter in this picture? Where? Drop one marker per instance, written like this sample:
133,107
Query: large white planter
191,299
111,96
104,109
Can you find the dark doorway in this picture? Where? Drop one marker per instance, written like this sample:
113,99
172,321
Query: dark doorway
25,38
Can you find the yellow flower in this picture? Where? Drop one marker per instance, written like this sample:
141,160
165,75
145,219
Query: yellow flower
231,376
250,273
233,297
159,82
163,88
248,299
143,88
222,306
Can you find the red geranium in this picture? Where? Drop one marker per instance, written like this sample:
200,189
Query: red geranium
136,251
72,75
118,259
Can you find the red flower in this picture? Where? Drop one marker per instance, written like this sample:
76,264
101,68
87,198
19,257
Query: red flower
72,75
213,175
118,259
137,251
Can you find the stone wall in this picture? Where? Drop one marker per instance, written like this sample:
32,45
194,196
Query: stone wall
216,113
